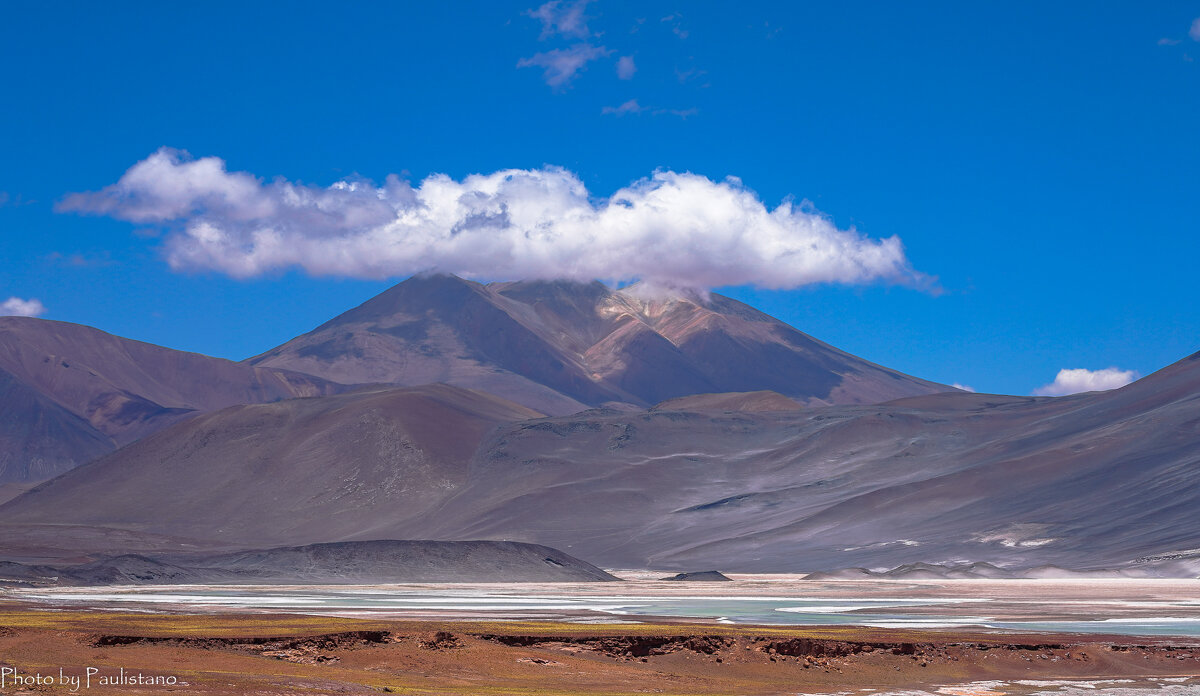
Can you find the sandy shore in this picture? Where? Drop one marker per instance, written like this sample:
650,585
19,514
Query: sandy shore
296,654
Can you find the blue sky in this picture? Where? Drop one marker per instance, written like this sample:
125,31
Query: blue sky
1039,162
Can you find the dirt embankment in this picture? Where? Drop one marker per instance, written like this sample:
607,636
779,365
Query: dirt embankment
753,654
263,654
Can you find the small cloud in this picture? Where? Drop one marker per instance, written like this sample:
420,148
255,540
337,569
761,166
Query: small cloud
1194,32
676,27
633,107
626,67
681,113
1168,42
1083,380
629,107
16,307
8,200
685,76
560,65
963,387
79,260
562,18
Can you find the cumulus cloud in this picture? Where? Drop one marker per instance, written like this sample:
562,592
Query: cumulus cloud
626,68
963,387
673,229
562,64
1194,32
562,18
1083,380
17,307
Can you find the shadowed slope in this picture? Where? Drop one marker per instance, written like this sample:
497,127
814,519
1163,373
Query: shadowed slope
294,471
39,438
72,392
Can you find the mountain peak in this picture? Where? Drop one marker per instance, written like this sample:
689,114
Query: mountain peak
653,294
560,346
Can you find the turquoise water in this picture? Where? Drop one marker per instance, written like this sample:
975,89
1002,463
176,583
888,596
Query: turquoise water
1169,619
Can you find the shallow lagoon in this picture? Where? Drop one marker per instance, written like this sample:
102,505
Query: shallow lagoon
1117,607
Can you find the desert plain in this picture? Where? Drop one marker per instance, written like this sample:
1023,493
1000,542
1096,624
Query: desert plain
529,638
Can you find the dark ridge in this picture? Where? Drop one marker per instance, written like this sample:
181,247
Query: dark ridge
347,562
701,576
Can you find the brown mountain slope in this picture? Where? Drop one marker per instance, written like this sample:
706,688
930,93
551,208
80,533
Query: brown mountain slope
318,469
561,346
71,392
744,402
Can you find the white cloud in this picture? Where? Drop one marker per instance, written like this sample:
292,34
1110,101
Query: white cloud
560,65
1194,32
626,68
963,387
16,307
634,107
563,18
676,25
168,185
629,107
671,228
1083,380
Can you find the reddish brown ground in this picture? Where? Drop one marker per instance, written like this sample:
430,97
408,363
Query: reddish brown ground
289,654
